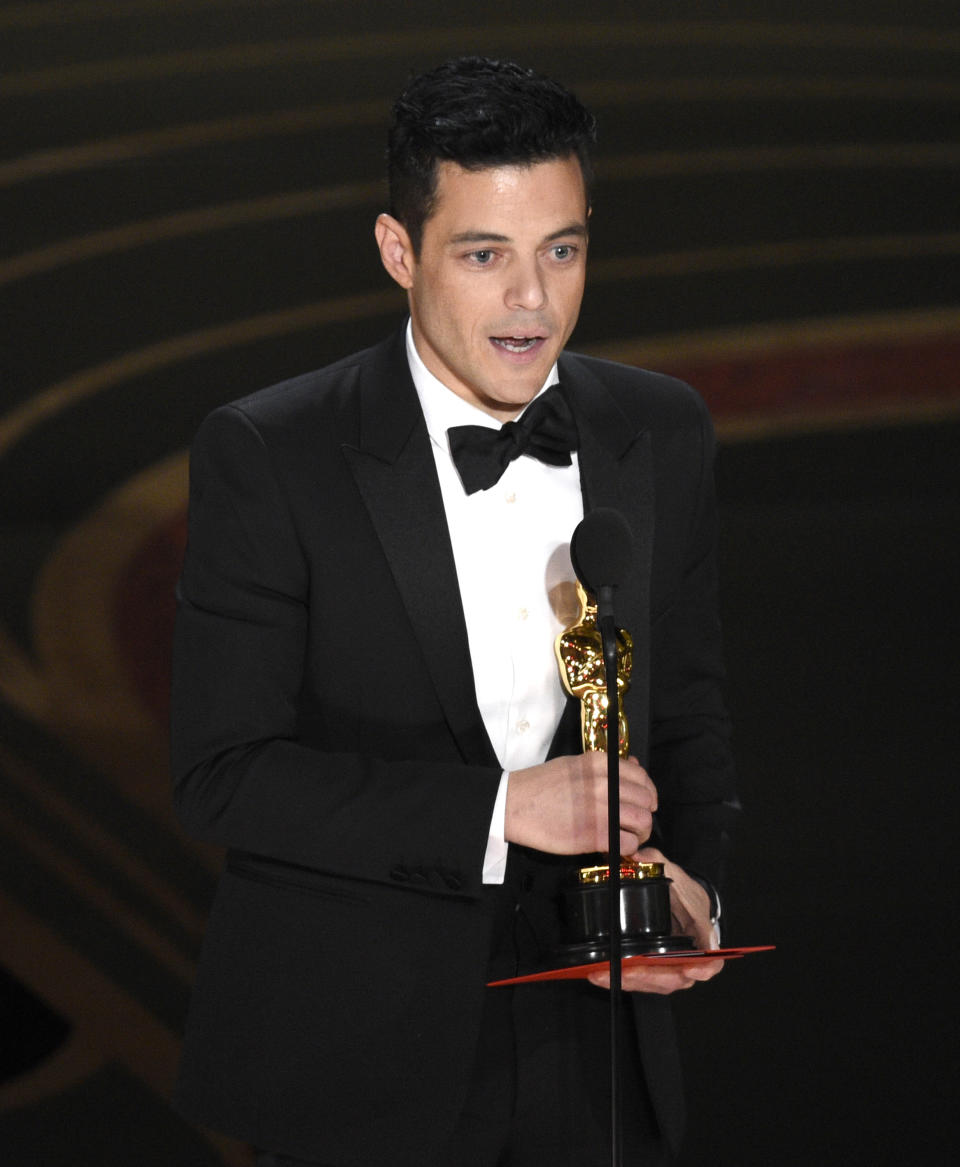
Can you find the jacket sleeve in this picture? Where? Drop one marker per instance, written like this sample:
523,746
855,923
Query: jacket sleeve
249,773
690,755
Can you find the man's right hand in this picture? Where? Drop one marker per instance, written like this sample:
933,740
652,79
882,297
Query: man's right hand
560,806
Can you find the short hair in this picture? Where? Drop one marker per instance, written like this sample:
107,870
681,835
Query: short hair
478,113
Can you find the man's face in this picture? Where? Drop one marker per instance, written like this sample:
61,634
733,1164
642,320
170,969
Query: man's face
496,289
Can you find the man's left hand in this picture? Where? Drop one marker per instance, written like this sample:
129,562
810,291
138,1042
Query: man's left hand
690,906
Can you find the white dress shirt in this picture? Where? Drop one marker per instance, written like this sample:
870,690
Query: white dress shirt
511,546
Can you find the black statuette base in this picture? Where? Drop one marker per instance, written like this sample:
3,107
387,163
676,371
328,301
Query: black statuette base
645,921
596,952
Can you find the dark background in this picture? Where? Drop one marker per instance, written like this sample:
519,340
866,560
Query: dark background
187,190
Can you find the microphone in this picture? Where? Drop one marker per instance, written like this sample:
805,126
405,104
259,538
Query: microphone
601,552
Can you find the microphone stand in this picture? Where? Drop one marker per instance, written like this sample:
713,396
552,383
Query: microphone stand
608,634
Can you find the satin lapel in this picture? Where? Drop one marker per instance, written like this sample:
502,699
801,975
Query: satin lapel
616,471
394,470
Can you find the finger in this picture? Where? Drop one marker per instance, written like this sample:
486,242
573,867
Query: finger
640,789
631,837
705,970
654,981
642,980
631,771
638,796
636,820
628,843
635,828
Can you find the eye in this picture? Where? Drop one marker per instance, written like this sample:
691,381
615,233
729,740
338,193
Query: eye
563,251
482,257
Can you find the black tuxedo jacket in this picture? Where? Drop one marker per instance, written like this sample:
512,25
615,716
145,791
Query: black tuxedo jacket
326,732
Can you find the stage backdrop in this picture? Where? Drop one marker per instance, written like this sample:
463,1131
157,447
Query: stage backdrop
187,191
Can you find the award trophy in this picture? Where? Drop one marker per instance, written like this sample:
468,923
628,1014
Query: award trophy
645,918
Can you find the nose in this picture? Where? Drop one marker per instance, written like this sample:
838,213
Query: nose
526,288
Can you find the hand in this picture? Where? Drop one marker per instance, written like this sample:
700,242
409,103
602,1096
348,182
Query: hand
690,907
560,806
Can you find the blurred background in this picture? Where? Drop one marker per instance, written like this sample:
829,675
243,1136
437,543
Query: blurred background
187,192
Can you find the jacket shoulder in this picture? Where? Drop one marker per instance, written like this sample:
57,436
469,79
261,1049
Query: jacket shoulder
322,405
650,399
310,394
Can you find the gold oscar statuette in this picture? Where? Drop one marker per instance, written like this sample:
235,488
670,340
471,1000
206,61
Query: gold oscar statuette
580,655
645,917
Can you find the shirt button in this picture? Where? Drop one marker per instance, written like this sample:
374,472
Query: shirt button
523,725
523,613
511,497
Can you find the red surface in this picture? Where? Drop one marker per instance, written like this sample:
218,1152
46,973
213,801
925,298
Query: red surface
143,613
580,972
829,379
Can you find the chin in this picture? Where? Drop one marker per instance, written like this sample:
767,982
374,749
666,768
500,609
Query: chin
521,398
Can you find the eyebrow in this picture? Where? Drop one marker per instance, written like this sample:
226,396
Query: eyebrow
578,229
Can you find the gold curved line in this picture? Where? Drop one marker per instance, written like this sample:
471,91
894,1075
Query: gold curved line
75,1060
763,255
92,704
85,695
318,199
402,44
874,415
205,340
134,868
271,324
751,340
739,159
166,227
226,58
758,340
124,147
786,88
93,892
59,12
111,1019
108,1024
20,681
69,11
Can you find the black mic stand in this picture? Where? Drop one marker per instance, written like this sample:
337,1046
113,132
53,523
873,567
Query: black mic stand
608,635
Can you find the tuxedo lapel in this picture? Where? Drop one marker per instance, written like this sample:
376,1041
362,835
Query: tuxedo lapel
395,472
616,471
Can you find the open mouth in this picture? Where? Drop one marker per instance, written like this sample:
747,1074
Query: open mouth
516,344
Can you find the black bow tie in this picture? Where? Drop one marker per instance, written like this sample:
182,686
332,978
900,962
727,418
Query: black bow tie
546,431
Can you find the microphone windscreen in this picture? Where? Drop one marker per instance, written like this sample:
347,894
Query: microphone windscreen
601,549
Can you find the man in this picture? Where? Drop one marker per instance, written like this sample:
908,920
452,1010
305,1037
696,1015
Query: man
365,692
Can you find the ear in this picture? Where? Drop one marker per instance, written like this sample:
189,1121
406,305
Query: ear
396,251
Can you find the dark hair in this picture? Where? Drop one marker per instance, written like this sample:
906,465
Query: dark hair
478,113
